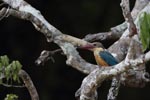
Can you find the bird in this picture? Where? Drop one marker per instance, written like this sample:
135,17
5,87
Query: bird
104,59
102,56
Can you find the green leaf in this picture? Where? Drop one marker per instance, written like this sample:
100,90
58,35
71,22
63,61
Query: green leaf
16,67
18,64
10,70
11,97
144,22
4,60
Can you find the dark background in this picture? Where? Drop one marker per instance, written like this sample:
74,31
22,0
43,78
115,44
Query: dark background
57,81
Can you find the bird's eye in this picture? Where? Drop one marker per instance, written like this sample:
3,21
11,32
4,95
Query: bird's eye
94,44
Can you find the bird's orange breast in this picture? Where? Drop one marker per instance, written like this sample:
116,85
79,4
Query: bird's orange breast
100,61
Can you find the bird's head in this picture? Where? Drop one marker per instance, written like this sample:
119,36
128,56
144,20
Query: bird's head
93,46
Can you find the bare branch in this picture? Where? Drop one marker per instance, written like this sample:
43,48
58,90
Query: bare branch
68,44
139,5
95,78
133,77
4,13
112,35
116,32
114,89
25,11
15,86
45,56
120,48
29,84
127,15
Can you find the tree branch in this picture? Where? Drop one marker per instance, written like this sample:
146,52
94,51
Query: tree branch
95,78
120,48
114,89
128,17
68,44
45,56
116,32
25,11
29,84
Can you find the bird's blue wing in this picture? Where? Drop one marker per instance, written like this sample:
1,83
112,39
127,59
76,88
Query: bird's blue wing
108,58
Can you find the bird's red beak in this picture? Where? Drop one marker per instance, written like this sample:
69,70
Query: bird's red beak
87,46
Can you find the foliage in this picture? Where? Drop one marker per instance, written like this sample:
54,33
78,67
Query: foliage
9,70
11,97
144,23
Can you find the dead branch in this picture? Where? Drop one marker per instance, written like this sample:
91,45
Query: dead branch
128,17
51,32
114,89
45,56
23,10
116,32
68,44
115,85
95,78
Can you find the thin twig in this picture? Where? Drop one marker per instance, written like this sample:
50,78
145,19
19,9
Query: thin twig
15,86
45,56
4,13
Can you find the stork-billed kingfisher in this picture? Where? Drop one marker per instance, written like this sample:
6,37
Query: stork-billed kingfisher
102,57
